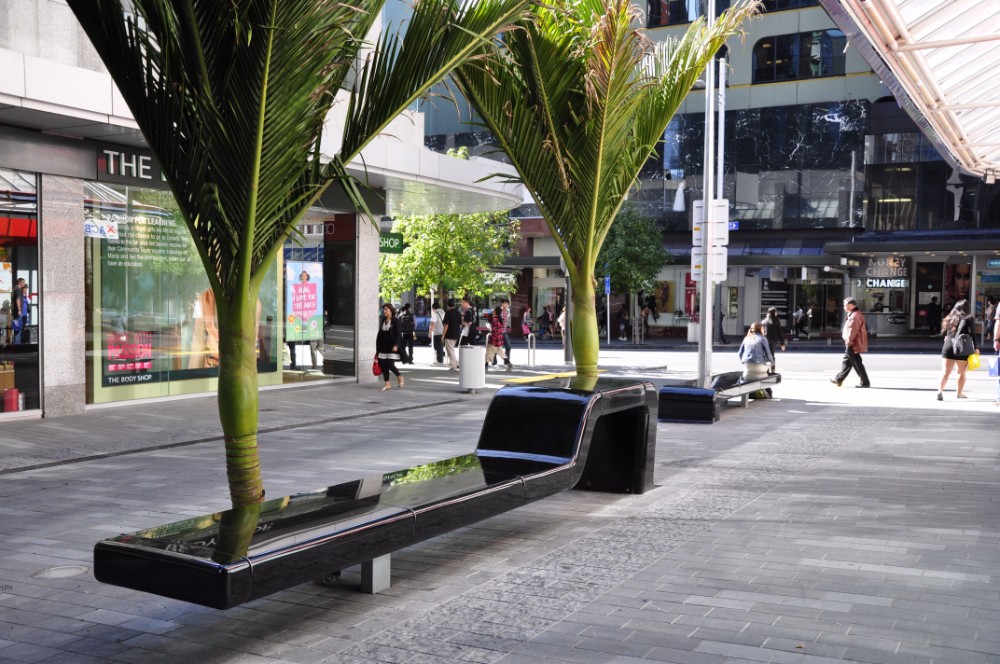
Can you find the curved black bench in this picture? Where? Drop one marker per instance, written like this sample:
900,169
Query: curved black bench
537,440
684,401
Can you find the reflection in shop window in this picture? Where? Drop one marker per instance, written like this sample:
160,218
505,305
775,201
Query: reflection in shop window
153,315
19,291
805,55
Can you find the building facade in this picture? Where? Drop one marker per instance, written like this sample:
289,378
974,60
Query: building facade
116,304
834,191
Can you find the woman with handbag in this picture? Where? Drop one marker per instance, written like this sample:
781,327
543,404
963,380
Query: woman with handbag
388,344
959,328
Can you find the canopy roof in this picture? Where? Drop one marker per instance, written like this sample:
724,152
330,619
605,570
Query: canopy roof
940,58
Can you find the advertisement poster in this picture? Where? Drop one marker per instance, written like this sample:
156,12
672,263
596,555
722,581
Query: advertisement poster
690,297
303,301
157,312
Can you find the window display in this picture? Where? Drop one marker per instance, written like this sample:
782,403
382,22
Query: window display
153,316
19,286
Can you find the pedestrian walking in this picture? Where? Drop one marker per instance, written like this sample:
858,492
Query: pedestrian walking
388,345
469,323
505,319
959,329
773,332
801,321
996,345
495,347
407,332
452,333
755,353
526,321
855,334
437,332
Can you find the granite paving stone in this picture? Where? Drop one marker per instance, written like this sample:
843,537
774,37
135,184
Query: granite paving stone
816,527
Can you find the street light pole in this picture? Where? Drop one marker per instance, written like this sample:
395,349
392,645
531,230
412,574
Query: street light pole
706,300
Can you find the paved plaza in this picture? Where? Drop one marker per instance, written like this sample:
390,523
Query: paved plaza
825,525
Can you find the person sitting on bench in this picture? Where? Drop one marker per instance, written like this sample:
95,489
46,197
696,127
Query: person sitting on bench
755,354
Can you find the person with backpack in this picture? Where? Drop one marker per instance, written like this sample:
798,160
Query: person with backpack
408,333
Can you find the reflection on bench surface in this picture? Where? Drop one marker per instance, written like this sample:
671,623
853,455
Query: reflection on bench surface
537,440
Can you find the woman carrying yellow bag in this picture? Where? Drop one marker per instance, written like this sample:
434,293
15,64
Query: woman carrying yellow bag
959,348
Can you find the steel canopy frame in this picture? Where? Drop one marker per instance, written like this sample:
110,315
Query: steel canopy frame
939,58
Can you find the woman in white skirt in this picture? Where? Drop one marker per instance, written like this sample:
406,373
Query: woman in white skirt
755,353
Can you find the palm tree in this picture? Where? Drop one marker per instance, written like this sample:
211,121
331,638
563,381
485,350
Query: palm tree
232,97
578,97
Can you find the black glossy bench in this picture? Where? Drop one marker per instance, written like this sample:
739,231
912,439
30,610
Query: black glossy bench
536,441
684,401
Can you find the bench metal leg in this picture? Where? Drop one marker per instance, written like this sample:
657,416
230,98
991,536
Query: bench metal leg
375,574
746,400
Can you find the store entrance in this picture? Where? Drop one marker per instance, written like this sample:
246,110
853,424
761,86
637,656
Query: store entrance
822,304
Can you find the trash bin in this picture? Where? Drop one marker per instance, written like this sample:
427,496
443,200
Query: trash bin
471,368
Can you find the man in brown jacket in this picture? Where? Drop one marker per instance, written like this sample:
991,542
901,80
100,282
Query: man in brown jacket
855,343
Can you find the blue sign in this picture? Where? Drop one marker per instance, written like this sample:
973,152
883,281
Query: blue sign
734,225
993,262
607,285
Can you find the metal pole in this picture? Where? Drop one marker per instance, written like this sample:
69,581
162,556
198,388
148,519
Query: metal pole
705,314
720,180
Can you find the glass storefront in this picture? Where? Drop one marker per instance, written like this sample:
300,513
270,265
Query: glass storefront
318,285
151,324
19,291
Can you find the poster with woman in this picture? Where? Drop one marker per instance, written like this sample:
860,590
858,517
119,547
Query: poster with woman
957,283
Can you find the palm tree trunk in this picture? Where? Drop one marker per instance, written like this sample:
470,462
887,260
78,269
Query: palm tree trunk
238,400
586,338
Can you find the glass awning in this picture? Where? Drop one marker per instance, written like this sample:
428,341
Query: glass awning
940,59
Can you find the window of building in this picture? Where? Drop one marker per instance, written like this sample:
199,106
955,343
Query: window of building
781,5
676,12
152,329
815,54
19,291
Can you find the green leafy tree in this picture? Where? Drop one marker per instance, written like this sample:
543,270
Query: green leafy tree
633,252
232,98
578,98
451,251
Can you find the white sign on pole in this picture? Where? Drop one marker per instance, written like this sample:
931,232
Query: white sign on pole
720,220
718,259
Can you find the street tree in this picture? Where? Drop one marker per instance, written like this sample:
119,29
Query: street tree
232,98
451,252
578,98
633,252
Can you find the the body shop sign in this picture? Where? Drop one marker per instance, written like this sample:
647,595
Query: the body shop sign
888,272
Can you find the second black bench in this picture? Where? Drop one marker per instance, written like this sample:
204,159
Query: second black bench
684,401
537,440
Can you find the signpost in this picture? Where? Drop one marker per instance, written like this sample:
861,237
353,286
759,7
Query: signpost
607,306
390,243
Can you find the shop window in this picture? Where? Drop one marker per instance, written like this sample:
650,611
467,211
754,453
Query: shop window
152,325
19,291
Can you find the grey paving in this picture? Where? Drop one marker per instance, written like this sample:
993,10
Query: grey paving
822,526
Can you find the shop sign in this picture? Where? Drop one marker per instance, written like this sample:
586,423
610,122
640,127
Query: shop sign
887,283
993,262
888,267
128,166
390,243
